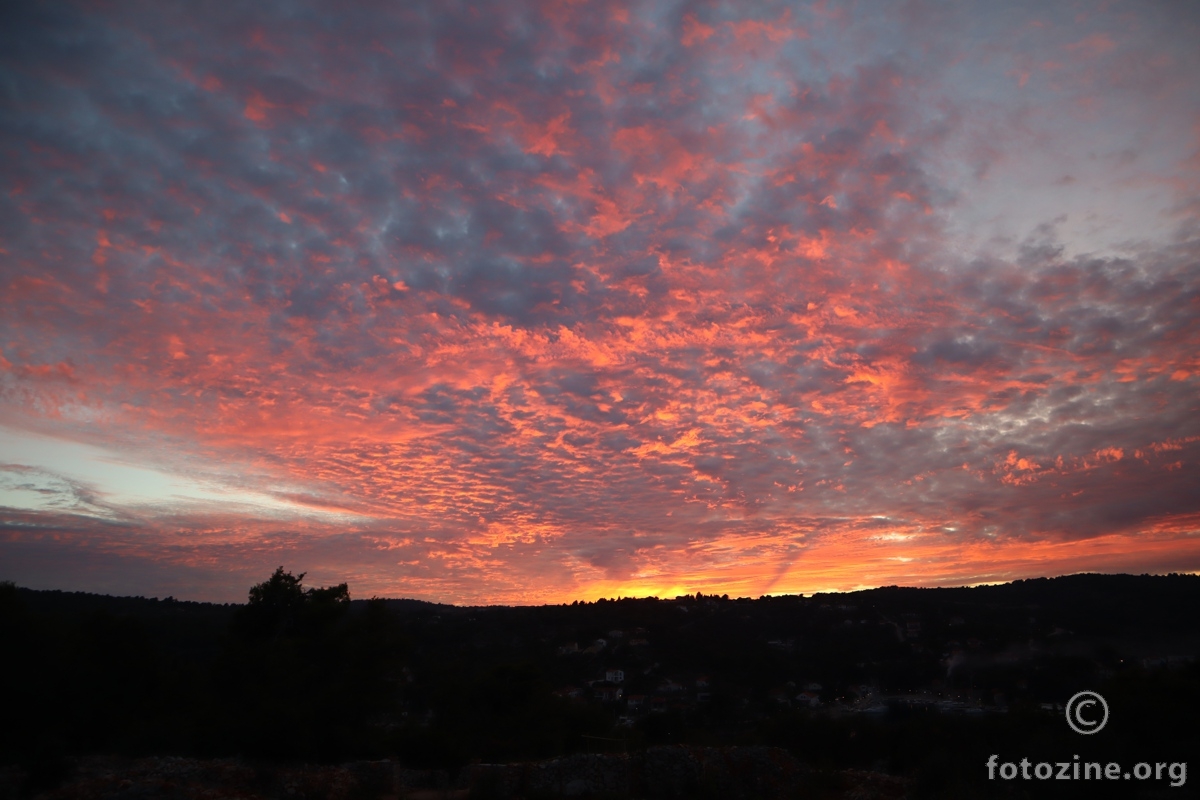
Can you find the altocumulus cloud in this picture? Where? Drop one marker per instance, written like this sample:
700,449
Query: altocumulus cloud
518,302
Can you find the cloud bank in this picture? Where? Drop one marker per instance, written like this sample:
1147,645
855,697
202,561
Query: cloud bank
522,302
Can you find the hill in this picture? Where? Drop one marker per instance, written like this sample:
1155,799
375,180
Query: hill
865,680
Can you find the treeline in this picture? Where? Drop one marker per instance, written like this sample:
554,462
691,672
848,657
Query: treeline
300,673
294,674
291,673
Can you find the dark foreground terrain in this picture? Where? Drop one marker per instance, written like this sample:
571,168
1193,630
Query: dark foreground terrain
677,771
886,693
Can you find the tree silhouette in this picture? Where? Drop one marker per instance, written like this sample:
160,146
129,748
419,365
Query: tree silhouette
291,674
281,590
281,605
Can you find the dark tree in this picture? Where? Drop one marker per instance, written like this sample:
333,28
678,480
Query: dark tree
281,605
302,673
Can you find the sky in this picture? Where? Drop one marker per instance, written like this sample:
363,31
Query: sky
519,302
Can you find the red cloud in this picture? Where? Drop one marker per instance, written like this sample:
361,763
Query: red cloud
549,301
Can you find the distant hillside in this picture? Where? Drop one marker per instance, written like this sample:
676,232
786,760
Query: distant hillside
1126,594
59,601
884,679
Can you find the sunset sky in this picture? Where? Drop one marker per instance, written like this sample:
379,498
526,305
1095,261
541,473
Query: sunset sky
515,302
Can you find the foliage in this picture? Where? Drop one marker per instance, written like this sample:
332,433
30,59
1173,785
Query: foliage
306,673
281,605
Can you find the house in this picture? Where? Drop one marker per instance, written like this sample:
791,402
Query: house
608,694
670,687
614,675
569,693
658,704
636,702
596,647
568,649
702,682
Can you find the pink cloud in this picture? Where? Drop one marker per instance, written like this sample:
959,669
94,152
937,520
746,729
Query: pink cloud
552,303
